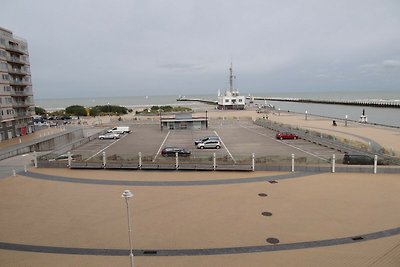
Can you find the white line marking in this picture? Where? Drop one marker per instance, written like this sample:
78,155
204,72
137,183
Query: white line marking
314,155
162,144
105,147
225,147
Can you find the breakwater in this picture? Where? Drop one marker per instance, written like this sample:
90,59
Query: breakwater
365,103
210,102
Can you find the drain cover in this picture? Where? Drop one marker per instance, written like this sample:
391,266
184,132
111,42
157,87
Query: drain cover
262,195
272,240
266,213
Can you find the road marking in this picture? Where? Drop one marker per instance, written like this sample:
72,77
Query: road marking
312,154
162,144
225,147
125,135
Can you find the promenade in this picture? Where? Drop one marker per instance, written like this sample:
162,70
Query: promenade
69,217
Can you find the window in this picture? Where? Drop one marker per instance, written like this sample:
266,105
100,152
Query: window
3,65
226,100
7,88
5,76
240,100
2,41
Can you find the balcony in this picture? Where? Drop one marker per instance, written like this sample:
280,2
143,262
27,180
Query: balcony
19,82
15,48
24,92
22,104
17,71
17,60
21,115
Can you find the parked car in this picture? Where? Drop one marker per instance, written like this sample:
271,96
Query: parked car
171,151
120,130
109,136
201,140
286,135
353,159
209,144
64,157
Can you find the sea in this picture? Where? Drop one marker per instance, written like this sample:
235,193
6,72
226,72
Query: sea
381,115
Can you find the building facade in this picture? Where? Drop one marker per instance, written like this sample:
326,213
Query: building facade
183,121
16,96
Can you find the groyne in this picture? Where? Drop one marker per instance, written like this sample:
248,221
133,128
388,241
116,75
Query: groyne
210,102
365,103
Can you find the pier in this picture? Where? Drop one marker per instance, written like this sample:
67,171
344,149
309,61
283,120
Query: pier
366,103
210,102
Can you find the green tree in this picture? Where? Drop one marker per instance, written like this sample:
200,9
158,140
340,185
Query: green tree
40,111
76,110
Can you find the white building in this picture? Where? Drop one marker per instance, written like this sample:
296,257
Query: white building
231,98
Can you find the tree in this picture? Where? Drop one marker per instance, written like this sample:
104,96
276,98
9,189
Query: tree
76,110
40,111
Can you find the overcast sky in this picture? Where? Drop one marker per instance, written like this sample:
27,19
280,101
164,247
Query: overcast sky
82,48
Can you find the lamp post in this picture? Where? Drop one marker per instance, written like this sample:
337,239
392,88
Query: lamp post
127,195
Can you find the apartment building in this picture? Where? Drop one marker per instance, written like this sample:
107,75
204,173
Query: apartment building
16,96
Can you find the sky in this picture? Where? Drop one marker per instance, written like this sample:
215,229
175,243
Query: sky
98,48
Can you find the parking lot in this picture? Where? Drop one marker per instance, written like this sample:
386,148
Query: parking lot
239,139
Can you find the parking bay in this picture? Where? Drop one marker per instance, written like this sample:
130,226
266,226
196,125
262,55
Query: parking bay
240,138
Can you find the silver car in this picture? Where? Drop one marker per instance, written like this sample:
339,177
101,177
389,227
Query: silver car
109,136
209,144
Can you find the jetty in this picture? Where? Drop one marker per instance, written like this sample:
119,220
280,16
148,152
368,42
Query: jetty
367,102
210,102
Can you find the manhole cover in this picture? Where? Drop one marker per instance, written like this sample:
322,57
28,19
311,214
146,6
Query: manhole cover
273,240
273,182
266,213
262,195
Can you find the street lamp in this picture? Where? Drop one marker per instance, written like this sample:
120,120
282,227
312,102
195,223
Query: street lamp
127,195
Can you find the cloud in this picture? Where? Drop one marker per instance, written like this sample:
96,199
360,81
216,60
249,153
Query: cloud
391,64
182,67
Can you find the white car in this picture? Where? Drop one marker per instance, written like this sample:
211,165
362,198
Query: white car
109,136
209,144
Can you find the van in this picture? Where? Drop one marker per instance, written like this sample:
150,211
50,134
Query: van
120,130
202,140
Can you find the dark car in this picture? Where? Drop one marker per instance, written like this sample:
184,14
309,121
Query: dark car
352,159
171,151
286,135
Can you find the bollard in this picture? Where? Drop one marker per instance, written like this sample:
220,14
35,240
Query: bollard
20,141
333,162
214,162
35,158
104,159
292,162
140,160
25,169
306,114
279,111
176,161
14,173
345,121
69,159
375,163
252,162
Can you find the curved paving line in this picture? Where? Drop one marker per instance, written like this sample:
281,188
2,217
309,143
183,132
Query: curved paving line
200,252
164,183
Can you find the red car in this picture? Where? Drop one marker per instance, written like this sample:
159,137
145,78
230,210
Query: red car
286,135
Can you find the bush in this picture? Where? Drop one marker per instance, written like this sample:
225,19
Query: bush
108,110
40,111
76,110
